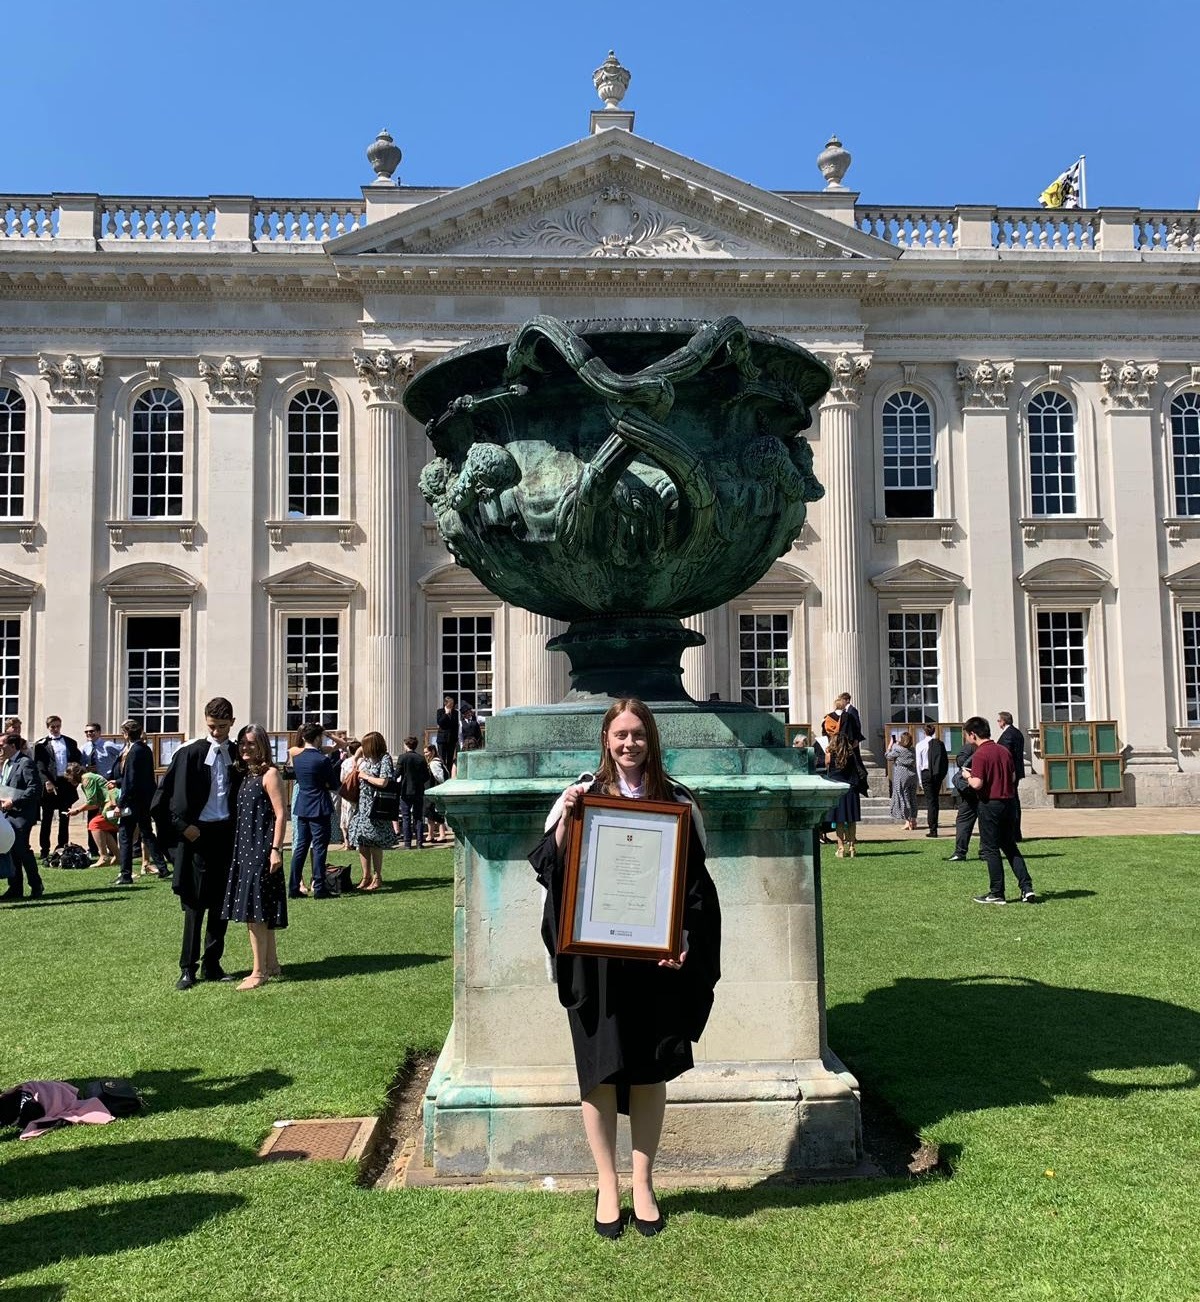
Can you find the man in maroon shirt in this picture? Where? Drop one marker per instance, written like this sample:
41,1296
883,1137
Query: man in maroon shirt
993,776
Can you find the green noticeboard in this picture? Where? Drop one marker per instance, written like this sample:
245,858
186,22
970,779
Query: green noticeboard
1082,755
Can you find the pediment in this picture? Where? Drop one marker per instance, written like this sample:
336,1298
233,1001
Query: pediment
611,196
917,576
309,580
451,580
782,579
149,579
1185,582
1064,576
15,588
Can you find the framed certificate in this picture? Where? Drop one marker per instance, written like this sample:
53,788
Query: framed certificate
624,877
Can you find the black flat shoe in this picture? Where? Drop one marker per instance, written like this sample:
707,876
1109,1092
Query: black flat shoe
609,1229
649,1228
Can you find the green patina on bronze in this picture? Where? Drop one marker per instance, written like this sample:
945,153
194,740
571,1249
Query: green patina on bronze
621,475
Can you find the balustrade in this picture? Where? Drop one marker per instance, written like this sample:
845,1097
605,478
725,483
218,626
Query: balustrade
27,217
1167,232
910,228
304,221
1046,230
170,220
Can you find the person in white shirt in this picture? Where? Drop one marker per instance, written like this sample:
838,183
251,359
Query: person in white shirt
52,753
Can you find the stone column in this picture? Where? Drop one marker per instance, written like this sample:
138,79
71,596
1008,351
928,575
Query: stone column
66,671
1143,669
536,676
706,668
841,533
389,651
232,390
990,521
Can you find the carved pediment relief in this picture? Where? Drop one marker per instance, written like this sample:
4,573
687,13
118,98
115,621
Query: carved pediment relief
449,580
309,580
917,577
612,196
783,579
1066,576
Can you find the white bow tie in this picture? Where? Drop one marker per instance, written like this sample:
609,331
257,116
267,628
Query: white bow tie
216,751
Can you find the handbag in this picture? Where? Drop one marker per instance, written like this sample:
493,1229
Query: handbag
386,808
349,788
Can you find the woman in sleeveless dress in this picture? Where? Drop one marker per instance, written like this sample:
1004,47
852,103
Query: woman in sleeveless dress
369,834
257,890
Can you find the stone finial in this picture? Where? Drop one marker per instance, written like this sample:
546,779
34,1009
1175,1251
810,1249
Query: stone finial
384,156
611,81
833,161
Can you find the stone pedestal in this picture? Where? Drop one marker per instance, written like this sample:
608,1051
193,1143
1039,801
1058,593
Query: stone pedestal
766,1095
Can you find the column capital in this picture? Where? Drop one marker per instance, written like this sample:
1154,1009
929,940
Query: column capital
231,383
383,374
984,384
1127,386
73,381
849,373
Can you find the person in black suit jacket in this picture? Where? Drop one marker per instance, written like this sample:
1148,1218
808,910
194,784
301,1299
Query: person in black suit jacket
317,777
413,779
200,788
447,732
20,773
933,775
1013,740
968,806
133,799
52,753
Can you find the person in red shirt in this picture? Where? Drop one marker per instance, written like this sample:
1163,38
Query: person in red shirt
993,777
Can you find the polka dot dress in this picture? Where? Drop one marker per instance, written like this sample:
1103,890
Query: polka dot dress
254,893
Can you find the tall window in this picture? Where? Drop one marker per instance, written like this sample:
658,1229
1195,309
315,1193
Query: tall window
311,664
152,672
10,666
907,457
913,667
12,454
1191,666
157,479
313,475
467,660
1185,452
1062,664
1051,454
763,642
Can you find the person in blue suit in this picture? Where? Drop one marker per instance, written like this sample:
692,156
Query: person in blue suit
312,810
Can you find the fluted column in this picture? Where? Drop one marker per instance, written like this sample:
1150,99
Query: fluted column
706,668
389,653
841,534
537,676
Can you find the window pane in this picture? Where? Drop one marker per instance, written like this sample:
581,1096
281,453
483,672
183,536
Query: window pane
156,469
765,661
1191,666
913,667
152,672
12,455
1185,452
313,454
1052,487
312,678
1062,664
467,661
908,473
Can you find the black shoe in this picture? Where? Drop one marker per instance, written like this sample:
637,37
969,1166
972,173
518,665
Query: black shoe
957,858
37,892
1030,897
123,881
648,1228
186,980
216,974
609,1229
10,894
932,833
295,895
319,895
44,858
990,899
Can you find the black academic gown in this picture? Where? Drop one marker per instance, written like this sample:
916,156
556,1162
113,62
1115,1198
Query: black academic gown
633,1022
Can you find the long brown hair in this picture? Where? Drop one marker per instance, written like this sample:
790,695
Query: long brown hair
262,744
840,754
656,784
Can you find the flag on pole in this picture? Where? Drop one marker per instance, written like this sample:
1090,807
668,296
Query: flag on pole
1064,191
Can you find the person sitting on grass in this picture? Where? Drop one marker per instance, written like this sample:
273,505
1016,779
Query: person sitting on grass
93,797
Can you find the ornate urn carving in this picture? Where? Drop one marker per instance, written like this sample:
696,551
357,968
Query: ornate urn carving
834,162
384,156
611,81
621,475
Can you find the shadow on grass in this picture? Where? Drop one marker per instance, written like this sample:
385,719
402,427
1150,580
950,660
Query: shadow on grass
734,1204
189,1087
874,850
70,897
345,965
419,883
936,1046
1066,895
105,1228
34,1293
32,1174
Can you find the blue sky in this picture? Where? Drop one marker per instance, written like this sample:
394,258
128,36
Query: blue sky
979,103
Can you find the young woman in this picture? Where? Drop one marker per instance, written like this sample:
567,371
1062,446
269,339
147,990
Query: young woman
904,780
256,893
369,835
93,797
842,764
346,807
632,1021
435,824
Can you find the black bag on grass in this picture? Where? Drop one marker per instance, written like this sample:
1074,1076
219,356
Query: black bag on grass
118,1095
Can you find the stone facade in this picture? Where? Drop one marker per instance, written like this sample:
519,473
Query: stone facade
209,484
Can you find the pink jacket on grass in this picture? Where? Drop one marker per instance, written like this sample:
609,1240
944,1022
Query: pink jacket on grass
63,1104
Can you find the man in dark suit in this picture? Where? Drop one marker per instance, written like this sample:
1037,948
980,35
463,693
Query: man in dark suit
316,780
20,773
52,753
968,806
201,790
413,778
937,765
447,732
133,800
1012,739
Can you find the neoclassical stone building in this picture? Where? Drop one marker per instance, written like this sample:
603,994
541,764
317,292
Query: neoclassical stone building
208,484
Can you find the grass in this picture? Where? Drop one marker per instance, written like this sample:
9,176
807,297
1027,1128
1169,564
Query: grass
1063,1038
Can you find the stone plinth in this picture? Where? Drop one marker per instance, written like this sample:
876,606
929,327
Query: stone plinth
766,1095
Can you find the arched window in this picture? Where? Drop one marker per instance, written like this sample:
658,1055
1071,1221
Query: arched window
313,474
12,454
1185,452
908,480
1052,486
156,469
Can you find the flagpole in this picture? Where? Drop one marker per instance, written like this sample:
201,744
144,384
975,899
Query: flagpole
1083,181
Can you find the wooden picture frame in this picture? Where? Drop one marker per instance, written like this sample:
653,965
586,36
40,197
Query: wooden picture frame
624,878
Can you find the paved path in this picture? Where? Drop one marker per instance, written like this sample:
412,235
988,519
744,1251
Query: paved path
1038,823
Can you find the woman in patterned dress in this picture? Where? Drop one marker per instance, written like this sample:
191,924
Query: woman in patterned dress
904,780
369,835
257,890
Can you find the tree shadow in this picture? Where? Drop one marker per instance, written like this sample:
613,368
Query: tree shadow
185,1088
32,1174
345,965
935,1046
106,1228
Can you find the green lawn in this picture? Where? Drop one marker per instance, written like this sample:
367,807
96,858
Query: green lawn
1063,1038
